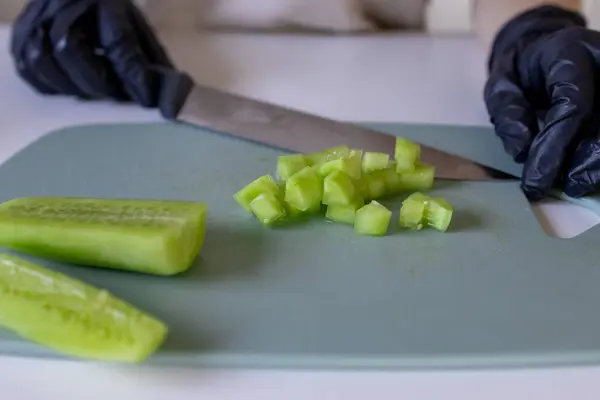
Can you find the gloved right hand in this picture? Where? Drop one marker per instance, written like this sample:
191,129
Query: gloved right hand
94,49
543,99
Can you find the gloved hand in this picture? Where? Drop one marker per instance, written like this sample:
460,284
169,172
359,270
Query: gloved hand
94,49
542,96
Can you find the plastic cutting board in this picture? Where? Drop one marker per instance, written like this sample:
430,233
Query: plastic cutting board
495,291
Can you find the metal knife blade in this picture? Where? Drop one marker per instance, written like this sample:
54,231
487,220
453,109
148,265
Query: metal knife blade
300,132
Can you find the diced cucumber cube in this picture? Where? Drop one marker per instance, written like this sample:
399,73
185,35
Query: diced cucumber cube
412,212
344,214
338,189
304,189
294,213
288,165
263,184
267,208
372,219
375,182
354,163
329,154
439,214
334,165
406,154
392,179
374,161
421,178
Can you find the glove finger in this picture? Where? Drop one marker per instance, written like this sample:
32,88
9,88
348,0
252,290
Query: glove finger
24,24
569,74
74,51
511,114
119,40
585,177
151,46
39,62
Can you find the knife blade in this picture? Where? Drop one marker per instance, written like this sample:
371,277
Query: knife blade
296,131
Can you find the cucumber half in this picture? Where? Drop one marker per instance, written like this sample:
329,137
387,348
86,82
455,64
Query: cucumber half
160,237
72,317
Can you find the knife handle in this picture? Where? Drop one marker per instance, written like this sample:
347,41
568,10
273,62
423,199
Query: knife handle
175,88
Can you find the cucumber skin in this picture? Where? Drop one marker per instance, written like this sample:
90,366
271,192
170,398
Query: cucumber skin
131,242
72,317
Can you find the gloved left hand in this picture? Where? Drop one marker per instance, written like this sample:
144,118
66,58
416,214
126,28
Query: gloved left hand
543,96
94,49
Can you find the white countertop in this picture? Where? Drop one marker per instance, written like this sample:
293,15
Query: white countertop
375,79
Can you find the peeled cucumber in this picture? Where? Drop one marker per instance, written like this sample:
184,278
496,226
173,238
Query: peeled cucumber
72,317
290,164
406,154
419,210
372,219
160,237
344,214
338,189
341,179
420,178
304,189
267,208
263,184
374,161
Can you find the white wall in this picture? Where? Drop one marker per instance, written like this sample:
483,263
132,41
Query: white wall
443,16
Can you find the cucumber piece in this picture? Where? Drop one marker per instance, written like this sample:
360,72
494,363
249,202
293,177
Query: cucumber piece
160,237
354,163
304,189
372,219
268,209
421,178
332,153
72,317
374,161
334,165
338,189
344,214
412,212
263,184
438,214
406,154
294,214
288,165
392,179
375,182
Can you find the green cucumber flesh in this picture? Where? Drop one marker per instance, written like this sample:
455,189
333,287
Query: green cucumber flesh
332,153
288,165
304,189
392,179
72,317
372,219
344,214
161,237
406,154
375,182
354,163
421,178
334,165
268,209
438,214
338,188
412,212
263,184
374,161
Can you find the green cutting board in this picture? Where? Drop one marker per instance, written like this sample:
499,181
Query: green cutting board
493,291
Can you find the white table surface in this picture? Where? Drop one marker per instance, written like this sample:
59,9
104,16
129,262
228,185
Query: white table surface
376,79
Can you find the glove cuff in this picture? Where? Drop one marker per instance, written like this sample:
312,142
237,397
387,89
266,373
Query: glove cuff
530,25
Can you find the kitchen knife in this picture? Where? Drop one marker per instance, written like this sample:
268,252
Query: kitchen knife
301,132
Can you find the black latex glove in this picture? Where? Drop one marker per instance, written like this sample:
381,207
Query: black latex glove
94,49
543,67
